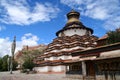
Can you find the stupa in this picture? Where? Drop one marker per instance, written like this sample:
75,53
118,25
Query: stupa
73,37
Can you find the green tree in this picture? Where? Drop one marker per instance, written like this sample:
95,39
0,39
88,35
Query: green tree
15,64
28,56
113,36
28,64
4,63
27,60
1,64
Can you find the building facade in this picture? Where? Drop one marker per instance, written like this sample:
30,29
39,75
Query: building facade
100,63
76,51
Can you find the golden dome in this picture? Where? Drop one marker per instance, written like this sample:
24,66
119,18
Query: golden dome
73,16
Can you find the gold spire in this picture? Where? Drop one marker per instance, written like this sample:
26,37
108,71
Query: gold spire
73,16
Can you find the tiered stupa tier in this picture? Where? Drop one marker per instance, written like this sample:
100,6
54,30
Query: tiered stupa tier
74,36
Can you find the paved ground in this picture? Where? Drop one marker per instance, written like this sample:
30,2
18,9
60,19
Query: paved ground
21,76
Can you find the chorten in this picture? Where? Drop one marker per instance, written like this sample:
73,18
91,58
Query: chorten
73,37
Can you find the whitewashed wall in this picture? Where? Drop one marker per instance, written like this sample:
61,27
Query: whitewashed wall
63,57
43,69
113,53
59,68
71,32
53,58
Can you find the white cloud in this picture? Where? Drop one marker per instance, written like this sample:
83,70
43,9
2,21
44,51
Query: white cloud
21,13
27,39
105,10
112,23
4,46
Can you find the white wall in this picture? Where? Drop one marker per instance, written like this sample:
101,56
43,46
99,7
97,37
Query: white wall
46,59
71,32
53,58
58,68
63,57
113,53
43,69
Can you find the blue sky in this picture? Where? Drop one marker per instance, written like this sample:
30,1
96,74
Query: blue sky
36,21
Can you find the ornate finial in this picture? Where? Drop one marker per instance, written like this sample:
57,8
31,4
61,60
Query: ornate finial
73,16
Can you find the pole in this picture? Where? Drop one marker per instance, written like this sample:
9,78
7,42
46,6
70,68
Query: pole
12,51
83,69
8,63
11,65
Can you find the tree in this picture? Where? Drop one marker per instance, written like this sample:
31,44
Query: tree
4,63
1,64
28,64
26,60
15,64
113,36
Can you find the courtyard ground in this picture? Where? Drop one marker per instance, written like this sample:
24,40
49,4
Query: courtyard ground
22,76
